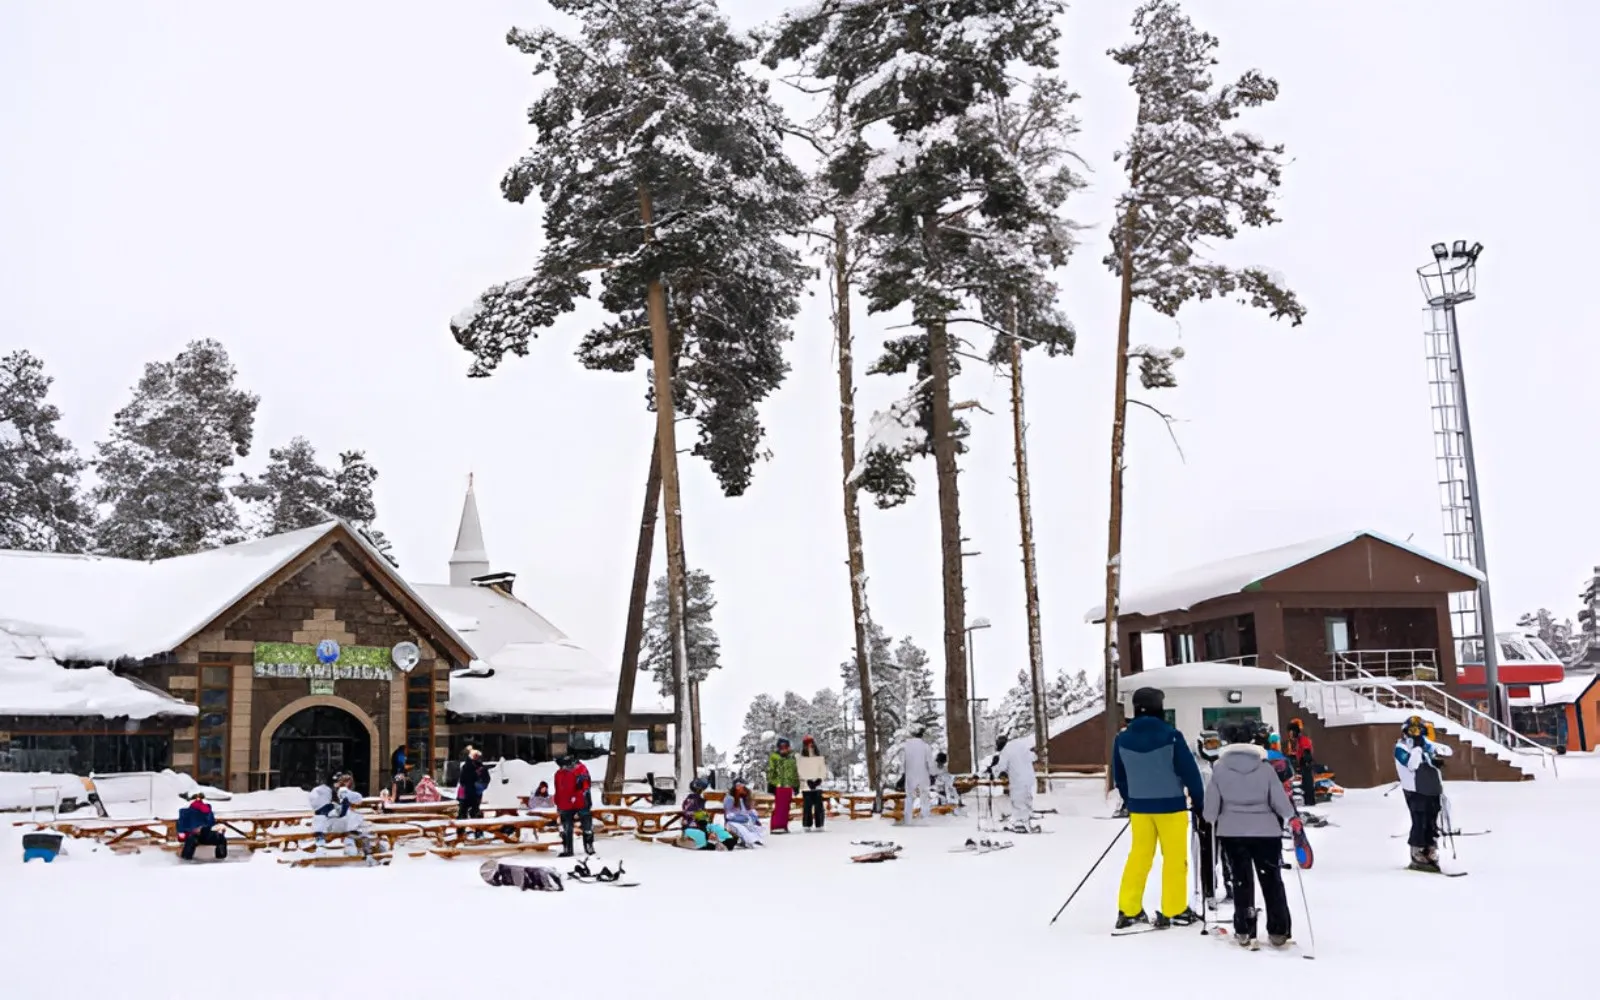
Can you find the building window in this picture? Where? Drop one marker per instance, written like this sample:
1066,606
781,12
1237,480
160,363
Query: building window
531,747
419,719
1181,648
1336,632
86,753
1213,644
1211,718
596,741
211,728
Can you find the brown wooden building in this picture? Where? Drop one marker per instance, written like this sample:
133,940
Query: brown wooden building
208,664
1337,609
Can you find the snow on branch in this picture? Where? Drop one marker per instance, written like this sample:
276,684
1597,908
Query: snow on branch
895,432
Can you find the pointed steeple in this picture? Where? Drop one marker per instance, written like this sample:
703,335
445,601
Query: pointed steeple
470,559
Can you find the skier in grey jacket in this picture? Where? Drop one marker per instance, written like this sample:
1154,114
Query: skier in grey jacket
1247,806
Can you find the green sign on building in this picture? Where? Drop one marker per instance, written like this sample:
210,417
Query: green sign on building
299,661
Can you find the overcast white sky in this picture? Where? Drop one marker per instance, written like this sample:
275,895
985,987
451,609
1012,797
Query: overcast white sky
316,186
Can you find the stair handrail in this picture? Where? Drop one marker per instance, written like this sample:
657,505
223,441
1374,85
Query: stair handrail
1498,731
1311,680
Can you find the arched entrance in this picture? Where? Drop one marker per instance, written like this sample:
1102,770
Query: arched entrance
319,740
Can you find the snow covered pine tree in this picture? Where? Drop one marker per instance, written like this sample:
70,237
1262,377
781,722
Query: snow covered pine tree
1192,181
41,508
162,469
660,167
928,204
701,642
298,491
352,500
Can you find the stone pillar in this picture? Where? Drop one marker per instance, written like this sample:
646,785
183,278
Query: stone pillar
239,732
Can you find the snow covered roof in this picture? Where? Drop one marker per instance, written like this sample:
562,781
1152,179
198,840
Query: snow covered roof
1180,676
102,609
1563,692
1062,723
1185,589
538,670
33,683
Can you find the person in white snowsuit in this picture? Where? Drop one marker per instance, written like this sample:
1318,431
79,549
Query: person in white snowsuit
1015,761
918,775
944,783
322,810
350,821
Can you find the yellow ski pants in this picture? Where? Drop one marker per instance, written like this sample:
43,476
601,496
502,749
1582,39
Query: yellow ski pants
1171,831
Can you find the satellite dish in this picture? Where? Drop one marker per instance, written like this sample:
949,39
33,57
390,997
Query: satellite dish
405,655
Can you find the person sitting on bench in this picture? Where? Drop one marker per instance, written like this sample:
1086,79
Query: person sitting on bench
197,826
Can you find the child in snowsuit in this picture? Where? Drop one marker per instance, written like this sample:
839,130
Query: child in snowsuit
698,829
783,779
349,821
197,828
427,790
740,816
944,783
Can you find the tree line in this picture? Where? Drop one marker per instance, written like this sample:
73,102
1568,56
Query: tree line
938,141
162,483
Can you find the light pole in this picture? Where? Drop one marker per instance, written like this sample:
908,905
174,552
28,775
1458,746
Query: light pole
1448,281
975,625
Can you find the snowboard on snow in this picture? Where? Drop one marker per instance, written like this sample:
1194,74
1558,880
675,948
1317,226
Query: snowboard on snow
525,877
1303,855
882,854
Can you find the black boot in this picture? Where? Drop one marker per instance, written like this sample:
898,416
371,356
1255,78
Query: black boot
1124,921
588,843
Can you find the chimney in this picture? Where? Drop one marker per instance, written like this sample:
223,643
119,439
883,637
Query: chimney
500,583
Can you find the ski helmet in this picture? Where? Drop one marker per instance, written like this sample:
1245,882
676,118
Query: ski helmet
698,785
1149,701
1414,726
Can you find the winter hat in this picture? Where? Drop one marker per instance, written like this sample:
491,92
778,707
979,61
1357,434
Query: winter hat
196,794
1149,701
783,742
808,739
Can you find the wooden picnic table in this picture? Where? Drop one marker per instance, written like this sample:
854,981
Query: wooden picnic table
649,822
111,832
440,808
625,799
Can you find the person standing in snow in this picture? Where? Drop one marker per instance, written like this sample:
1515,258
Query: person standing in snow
470,784
322,806
918,776
400,779
812,769
1418,763
573,801
1152,766
1015,761
783,778
1300,752
1248,807
1207,749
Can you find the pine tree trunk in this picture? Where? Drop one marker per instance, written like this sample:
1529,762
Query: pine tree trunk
666,435
1030,573
1119,417
633,634
852,494
694,709
958,720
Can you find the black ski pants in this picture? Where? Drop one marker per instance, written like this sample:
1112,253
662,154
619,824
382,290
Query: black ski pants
585,820
471,807
209,837
1253,859
1424,819
812,812
1308,782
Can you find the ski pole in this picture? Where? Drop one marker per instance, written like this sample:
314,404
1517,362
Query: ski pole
1449,829
1199,880
1305,906
1391,789
1090,872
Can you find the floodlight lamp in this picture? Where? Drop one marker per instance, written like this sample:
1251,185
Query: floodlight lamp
1440,251
1235,697
977,623
1472,255
1460,249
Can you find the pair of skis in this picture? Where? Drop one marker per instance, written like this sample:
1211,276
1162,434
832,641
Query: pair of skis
982,847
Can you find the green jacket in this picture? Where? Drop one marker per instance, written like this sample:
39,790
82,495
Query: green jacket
782,772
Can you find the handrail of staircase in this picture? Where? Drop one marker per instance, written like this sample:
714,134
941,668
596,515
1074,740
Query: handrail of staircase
1372,686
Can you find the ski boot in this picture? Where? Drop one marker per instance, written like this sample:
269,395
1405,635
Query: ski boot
566,847
1124,921
1246,941
1423,861
1278,940
1184,919
588,843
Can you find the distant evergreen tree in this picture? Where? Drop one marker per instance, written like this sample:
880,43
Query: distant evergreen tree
1192,180
352,500
763,722
1556,634
41,507
162,469
704,648
902,692
295,489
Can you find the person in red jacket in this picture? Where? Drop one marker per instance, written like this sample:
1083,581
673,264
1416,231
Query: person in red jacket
572,800
1299,751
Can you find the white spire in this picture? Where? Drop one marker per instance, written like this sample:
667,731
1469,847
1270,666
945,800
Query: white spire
470,558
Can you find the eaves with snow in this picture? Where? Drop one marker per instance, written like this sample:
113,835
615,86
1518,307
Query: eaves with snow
1183,590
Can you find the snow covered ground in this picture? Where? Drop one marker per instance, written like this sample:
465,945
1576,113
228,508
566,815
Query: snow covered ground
797,920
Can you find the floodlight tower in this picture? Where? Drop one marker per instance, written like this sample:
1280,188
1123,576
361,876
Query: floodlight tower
1448,281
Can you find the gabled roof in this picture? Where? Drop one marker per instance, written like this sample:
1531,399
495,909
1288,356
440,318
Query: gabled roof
101,610
32,683
537,669
1185,589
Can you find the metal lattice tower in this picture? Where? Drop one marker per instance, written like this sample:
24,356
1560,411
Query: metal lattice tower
1455,497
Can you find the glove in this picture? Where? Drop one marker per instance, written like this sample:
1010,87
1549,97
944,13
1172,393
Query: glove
1419,740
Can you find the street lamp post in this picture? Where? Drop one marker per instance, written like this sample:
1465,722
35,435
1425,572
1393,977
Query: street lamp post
975,625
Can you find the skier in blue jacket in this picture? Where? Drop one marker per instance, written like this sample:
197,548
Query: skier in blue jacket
1153,767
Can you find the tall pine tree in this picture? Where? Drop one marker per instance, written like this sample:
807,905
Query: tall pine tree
703,646
1193,180
294,490
162,469
352,500
945,213
41,507
660,167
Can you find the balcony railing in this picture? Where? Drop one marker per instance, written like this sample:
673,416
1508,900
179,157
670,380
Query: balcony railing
1399,664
